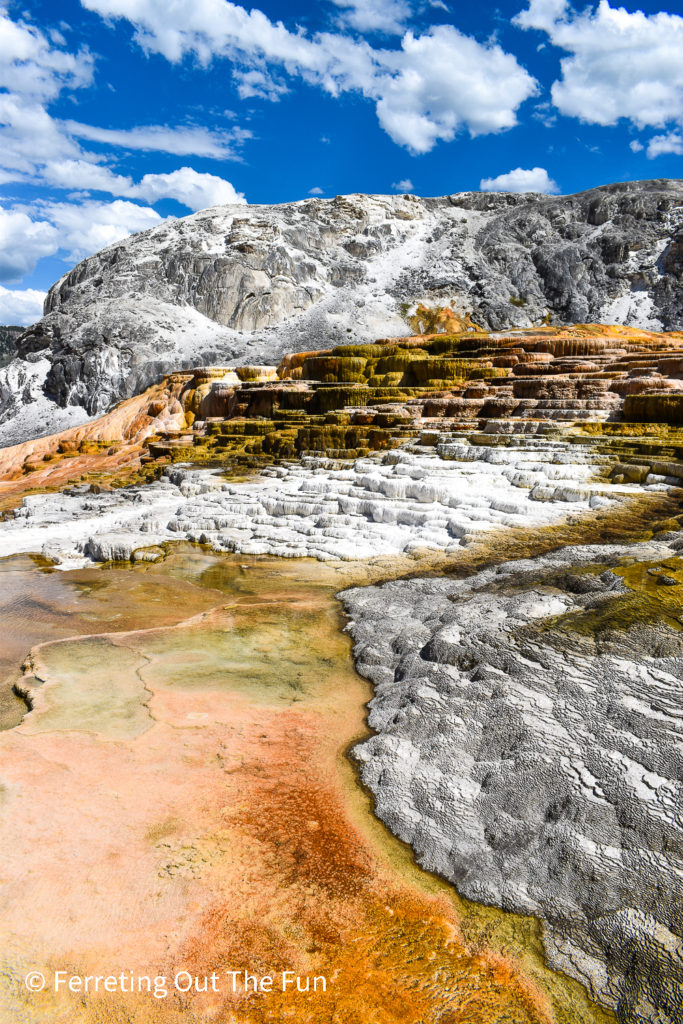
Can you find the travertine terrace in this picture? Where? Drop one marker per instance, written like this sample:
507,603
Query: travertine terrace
249,283
525,706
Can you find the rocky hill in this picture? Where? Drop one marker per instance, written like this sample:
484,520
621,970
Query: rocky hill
250,283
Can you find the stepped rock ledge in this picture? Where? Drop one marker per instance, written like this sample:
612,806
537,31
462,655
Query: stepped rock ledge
257,281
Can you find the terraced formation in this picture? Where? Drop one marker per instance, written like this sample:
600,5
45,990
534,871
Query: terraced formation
481,822
247,284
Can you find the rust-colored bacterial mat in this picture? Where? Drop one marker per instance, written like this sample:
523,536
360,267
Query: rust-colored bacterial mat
179,802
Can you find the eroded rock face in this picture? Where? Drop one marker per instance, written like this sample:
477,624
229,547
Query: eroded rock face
264,280
528,746
8,347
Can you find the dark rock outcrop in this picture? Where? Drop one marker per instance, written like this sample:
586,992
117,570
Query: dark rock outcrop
8,343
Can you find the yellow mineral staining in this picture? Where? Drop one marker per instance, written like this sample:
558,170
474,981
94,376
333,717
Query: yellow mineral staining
355,399
440,320
653,596
655,408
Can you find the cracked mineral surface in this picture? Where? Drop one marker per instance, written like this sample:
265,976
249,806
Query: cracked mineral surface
527,745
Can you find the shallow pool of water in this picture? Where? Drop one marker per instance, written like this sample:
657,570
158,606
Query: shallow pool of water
181,797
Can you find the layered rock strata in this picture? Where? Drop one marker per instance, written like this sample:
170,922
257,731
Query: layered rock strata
528,746
235,280
356,398
110,448
523,428
352,400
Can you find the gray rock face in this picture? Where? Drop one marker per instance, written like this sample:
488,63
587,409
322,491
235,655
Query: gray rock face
253,282
8,343
529,747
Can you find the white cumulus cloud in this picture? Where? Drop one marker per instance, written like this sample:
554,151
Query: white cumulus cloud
81,174
23,242
431,87
536,179
31,66
621,64
258,83
207,28
187,186
672,142
36,147
21,307
29,137
388,16
405,185
84,228
542,14
443,81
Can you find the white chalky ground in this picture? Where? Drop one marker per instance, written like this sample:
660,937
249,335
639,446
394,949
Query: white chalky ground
397,502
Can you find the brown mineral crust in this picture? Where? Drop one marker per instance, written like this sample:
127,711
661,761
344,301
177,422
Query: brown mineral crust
392,954
108,445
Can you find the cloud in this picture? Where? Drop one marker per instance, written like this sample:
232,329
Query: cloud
541,14
544,113
187,186
316,191
404,186
84,228
33,72
75,230
635,146
207,28
433,86
164,139
443,81
34,146
29,137
23,242
520,180
661,144
37,148
21,307
29,65
81,174
388,16
257,83
621,64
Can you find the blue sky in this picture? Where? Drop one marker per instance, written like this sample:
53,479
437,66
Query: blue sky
117,113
